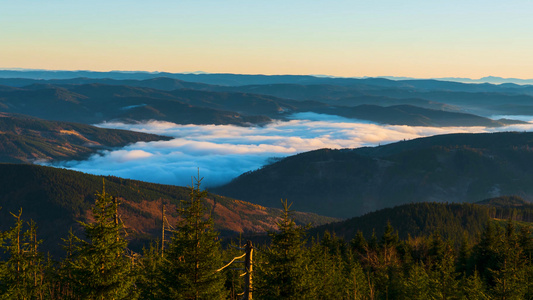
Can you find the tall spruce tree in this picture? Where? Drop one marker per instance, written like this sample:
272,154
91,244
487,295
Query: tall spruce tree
356,286
150,277
417,285
98,267
510,277
358,244
485,252
285,273
20,274
193,255
329,268
472,288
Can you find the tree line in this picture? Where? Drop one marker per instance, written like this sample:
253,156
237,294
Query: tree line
99,265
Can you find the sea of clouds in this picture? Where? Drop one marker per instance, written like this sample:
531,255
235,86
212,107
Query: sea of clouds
223,152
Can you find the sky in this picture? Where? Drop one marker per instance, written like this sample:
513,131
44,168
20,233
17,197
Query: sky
223,152
415,38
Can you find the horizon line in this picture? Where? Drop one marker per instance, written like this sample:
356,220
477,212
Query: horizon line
391,77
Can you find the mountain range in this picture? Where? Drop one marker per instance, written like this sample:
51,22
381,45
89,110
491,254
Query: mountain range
91,101
40,118
96,103
233,79
350,182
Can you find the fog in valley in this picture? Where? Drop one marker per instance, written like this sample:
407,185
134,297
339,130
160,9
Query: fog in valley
223,152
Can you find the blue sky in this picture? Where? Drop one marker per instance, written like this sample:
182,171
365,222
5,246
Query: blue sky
343,38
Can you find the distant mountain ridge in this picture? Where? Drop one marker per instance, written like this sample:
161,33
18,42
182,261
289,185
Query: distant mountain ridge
240,81
428,93
416,116
228,78
96,102
486,79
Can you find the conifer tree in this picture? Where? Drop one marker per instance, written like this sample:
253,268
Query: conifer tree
437,248
285,273
526,241
463,259
150,276
19,274
193,254
390,238
98,267
359,244
383,260
373,243
329,268
485,253
356,285
510,277
417,284
443,276
63,275
471,288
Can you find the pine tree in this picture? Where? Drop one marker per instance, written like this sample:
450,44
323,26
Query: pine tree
329,268
98,267
193,255
373,243
20,273
356,285
471,288
63,275
510,277
150,276
285,274
485,253
383,260
443,276
526,241
390,238
359,244
417,284
463,259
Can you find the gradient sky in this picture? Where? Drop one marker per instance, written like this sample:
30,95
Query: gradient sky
343,38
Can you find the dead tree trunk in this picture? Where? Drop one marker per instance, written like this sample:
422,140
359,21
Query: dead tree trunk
248,267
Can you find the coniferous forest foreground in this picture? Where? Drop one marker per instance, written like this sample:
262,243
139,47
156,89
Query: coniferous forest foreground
193,265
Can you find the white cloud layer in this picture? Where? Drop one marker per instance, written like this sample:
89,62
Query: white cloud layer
223,152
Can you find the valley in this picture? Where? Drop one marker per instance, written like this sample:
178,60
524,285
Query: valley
291,150
314,141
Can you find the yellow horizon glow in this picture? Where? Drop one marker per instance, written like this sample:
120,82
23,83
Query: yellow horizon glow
414,38
419,65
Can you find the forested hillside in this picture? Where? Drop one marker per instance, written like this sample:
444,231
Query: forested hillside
192,264
56,199
26,139
351,182
452,221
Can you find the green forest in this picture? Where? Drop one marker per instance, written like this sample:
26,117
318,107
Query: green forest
190,262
